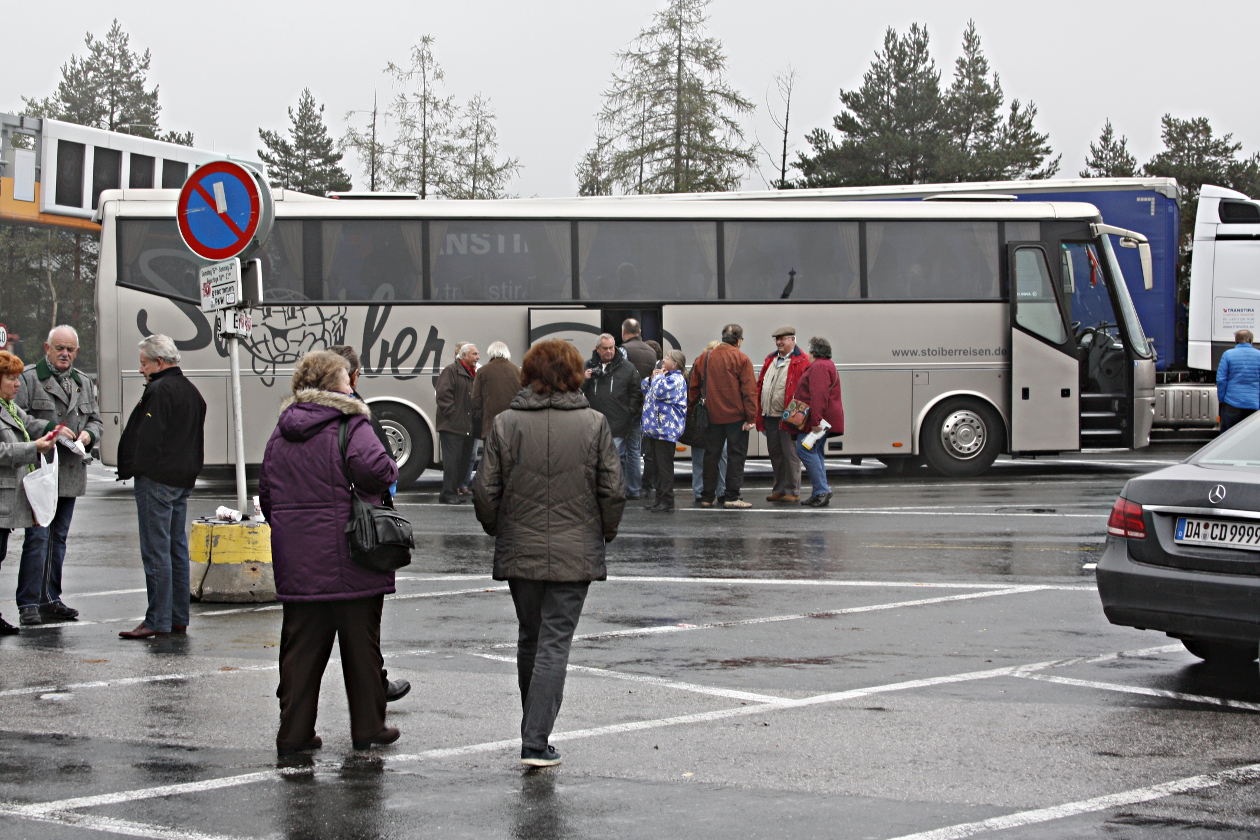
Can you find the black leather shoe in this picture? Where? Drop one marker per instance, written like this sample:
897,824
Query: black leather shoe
7,629
823,500
386,736
661,507
314,744
396,690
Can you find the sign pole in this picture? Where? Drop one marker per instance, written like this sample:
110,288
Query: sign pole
238,427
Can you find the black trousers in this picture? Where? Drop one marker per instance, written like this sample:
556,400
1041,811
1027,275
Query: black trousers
1232,415
457,453
663,452
547,613
306,639
736,441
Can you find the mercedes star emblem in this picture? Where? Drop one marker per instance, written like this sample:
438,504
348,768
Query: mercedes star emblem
1216,494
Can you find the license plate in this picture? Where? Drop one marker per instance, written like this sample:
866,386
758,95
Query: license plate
1245,535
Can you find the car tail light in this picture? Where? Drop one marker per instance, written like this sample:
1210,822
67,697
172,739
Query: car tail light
1126,520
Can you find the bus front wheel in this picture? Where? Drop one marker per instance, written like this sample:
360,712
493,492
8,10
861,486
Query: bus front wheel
962,437
410,444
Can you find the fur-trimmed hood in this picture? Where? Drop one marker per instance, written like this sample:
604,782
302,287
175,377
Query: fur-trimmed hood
309,410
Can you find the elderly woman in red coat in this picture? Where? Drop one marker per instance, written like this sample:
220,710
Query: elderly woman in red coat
819,388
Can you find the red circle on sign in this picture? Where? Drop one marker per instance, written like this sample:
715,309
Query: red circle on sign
193,187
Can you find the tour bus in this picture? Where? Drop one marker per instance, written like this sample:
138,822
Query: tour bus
959,329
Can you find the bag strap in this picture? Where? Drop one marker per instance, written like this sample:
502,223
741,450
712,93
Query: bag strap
704,380
343,438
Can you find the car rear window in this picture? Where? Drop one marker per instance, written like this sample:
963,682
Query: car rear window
1238,448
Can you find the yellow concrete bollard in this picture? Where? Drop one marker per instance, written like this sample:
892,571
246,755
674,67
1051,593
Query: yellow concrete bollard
231,562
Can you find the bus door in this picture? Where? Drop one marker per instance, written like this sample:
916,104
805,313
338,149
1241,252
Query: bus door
1045,400
577,325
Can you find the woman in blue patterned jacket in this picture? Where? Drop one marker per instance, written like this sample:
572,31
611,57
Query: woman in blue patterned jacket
664,415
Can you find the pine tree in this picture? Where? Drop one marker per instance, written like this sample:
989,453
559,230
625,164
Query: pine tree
106,88
1193,155
1109,157
417,159
892,130
593,171
473,171
1023,152
972,116
308,162
672,116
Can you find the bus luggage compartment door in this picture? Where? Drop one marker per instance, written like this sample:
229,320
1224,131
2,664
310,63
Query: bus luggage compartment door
574,324
1045,403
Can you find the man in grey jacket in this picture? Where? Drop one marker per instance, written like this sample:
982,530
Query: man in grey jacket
53,391
456,430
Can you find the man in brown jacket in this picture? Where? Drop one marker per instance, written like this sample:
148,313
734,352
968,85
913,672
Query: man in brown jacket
455,421
496,383
725,377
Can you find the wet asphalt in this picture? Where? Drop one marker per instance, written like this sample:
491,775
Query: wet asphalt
925,658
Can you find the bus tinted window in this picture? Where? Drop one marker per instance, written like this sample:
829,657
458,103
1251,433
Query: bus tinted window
792,260
377,259
282,262
493,260
932,260
153,257
648,260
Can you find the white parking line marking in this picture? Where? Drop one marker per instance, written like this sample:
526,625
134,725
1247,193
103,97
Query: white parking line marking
728,693
74,596
1149,692
1249,773
127,828
678,628
120,797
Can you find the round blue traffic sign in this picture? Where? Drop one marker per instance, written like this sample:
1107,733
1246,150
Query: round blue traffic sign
224,211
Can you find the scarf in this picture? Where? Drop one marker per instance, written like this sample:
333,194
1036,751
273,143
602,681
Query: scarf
11,407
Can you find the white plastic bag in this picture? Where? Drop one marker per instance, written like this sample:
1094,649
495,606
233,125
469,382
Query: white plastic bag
41,489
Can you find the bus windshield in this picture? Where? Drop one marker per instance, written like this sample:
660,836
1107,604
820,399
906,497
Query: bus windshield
1132,326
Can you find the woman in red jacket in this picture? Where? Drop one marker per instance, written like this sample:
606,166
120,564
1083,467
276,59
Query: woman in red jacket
819,388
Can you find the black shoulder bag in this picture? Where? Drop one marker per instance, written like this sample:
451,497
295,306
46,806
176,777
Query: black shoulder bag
380,537
694,432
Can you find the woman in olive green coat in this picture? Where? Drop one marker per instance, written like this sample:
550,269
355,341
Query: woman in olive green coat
549,491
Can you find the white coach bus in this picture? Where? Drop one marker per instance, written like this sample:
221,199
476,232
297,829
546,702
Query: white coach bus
951,322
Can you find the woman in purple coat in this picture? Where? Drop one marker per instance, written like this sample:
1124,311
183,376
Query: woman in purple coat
819,388
306,499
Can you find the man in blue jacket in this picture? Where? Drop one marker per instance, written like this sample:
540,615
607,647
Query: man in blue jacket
1238,380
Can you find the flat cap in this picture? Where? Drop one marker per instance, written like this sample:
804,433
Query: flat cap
782,331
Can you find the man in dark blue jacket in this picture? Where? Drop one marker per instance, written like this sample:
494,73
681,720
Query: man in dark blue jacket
163,448
612,388
1238,380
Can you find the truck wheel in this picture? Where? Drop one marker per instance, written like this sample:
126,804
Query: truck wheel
1220,652
410,444
961,437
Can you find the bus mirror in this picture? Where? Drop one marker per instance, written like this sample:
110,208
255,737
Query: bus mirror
1144,254
1126,242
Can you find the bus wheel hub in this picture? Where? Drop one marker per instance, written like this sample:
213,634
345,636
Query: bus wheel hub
963,434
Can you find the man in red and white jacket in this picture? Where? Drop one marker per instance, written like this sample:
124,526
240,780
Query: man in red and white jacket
776,384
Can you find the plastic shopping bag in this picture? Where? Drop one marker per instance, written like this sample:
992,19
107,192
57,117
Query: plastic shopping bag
41,489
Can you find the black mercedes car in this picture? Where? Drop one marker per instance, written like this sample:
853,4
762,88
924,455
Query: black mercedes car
1183,550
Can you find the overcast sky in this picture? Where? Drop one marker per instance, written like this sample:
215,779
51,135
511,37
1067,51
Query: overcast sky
229,67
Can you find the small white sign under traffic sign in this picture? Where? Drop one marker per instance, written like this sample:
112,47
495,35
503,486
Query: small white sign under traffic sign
220,285
237,322
4,336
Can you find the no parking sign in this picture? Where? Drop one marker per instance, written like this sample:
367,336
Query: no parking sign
225,211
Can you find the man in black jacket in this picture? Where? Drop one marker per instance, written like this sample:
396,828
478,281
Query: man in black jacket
613,389
163,448
644,359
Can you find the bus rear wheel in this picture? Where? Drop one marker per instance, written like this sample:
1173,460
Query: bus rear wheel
410,444
961,437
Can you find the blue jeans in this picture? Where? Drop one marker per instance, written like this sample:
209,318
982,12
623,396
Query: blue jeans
815,462
43,553
161,512
632,460
697,471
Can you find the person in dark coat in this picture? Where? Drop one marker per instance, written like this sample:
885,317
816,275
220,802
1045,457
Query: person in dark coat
306,498
612,389
496,384
819,388
163,448
644,358
455,421
549,492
